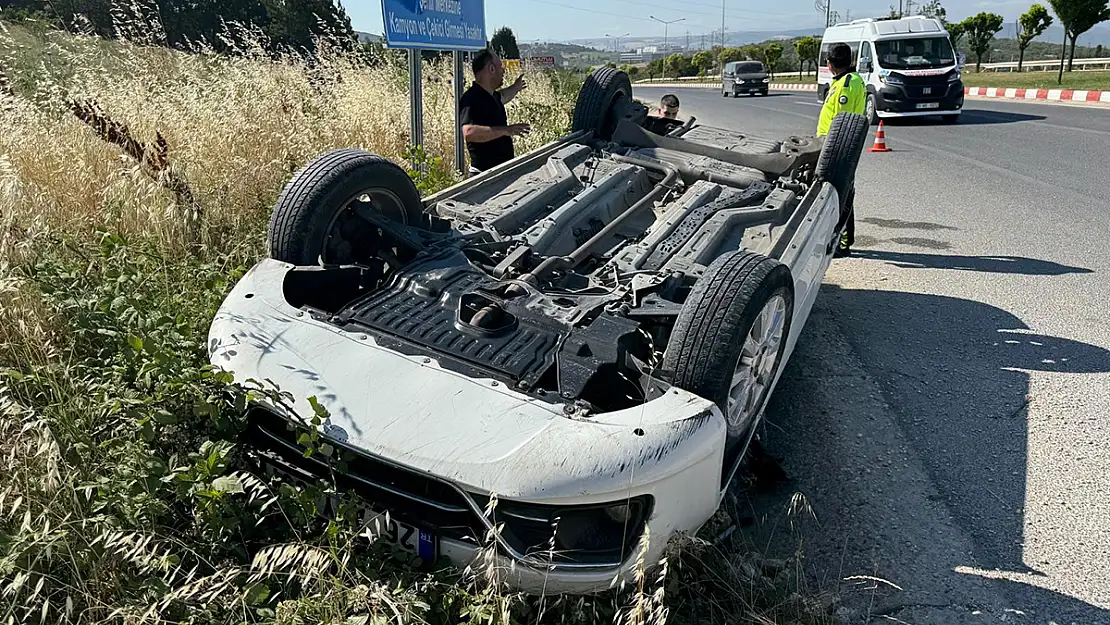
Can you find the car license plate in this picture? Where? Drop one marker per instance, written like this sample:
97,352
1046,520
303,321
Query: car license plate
382,525
928,105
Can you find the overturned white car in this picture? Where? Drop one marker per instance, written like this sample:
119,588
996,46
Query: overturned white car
589,332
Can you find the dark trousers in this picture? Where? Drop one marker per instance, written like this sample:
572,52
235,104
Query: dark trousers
849,236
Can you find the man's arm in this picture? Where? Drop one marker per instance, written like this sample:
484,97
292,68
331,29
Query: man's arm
476,133
508,93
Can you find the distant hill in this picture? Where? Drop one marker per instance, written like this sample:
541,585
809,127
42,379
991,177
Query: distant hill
1099,35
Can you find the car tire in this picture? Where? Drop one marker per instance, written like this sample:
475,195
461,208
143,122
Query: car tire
314,214
600,102
841,153
710,339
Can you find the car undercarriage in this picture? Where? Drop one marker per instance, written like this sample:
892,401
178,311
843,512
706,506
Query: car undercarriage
634,258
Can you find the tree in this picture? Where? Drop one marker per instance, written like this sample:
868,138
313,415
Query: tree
1077,17
955,33
1031,25
981,30
504,43
771,56
703,62
808,48
677,65
935,10
728,55
1098,51
753,52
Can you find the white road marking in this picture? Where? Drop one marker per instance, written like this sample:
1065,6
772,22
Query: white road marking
810,103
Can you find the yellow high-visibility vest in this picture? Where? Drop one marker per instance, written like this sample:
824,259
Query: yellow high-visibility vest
846,93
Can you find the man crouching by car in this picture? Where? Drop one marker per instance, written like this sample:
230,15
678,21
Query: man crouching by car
485,127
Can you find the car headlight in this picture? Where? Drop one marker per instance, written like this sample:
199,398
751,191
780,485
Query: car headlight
954,76
766,80
894,79
590,534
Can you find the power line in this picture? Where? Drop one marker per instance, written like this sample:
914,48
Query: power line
784,18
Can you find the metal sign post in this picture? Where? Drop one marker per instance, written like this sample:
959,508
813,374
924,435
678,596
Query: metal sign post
456,25
457,84
416,101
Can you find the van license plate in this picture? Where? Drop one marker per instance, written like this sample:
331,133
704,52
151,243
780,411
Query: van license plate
929,105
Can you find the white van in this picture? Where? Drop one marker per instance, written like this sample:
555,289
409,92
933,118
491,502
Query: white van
908,65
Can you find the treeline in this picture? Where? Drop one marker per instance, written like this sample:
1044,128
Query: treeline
779,56
222,25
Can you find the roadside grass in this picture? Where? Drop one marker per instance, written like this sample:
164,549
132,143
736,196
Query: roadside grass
135,185
1086,80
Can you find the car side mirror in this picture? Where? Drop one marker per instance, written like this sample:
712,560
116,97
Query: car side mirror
865,66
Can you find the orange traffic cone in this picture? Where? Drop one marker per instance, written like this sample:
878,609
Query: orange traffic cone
880,141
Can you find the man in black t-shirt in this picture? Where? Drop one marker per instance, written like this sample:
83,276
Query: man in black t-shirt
485,126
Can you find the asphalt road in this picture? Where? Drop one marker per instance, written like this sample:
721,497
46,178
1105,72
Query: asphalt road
947,414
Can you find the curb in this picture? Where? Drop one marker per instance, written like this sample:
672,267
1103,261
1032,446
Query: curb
1056,95
775,86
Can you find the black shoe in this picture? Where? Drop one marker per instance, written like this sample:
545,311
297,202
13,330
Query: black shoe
842,252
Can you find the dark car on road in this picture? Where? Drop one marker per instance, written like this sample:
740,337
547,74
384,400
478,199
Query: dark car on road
749,77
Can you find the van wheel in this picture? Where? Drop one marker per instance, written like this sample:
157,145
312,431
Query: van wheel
871,114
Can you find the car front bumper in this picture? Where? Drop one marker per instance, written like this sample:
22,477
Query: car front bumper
470,439
918,100
749,87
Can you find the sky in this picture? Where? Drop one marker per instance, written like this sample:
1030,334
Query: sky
558,20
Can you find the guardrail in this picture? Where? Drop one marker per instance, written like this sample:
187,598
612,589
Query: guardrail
715,80
1047,64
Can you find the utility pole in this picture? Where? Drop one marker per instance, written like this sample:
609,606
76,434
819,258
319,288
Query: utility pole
722,24
687,39
666,24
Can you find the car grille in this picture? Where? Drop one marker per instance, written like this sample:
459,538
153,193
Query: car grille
927,92
428,502
415,497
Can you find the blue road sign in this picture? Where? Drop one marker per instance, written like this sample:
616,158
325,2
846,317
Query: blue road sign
435,24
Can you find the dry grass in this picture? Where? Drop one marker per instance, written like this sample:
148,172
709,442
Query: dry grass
235,127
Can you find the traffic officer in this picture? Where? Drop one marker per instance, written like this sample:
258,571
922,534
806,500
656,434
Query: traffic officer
846,93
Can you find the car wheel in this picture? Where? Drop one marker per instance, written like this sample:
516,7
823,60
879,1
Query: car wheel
319,216
728,341
841,152
871,114
602,101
